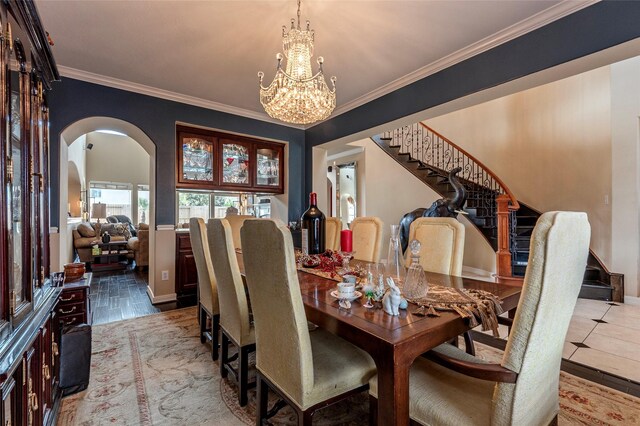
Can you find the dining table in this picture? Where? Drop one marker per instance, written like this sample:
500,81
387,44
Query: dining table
393,342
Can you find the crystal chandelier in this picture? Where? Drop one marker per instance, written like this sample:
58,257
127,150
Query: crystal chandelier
296,95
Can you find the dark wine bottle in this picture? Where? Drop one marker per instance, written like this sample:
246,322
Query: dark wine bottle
312,224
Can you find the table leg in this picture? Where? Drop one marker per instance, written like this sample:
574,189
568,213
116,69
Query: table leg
393,391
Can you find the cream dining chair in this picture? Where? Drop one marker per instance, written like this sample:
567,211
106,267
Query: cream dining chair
309,370
455,388
235,222
234,309
442,244
367,238
332,227
208,307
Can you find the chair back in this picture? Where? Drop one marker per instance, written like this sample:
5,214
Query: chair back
557,261
332,228
234,309
207,288
235,222
283,345
367,238
442,244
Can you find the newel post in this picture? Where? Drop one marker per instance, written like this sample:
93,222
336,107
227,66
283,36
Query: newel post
503,261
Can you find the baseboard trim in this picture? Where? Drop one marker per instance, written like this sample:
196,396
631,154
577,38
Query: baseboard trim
632,300
172,297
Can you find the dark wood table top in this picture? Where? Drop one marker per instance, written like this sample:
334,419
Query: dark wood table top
393,342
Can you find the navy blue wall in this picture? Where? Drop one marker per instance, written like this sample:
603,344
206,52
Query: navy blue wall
72,100
595,28
598,27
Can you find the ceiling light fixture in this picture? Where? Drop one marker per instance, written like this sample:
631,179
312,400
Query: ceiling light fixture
295,95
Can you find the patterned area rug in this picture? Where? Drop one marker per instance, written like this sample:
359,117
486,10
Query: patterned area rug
154,371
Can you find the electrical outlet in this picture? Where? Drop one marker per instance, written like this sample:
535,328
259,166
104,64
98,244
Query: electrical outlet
165,275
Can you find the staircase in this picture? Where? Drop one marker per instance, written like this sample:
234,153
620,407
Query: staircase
430,156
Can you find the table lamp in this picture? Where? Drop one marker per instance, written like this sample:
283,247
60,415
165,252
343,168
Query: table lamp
99,211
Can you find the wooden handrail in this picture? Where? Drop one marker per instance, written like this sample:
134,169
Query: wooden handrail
513,201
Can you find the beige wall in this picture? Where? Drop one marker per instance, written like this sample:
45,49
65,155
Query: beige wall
120,159
551,145
388,191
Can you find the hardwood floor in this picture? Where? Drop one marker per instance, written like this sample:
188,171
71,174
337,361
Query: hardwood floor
119,295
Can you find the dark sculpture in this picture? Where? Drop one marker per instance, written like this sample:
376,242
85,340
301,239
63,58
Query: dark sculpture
444,207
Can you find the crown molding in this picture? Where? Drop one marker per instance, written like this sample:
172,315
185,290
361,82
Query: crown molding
538,20
514,31
129,86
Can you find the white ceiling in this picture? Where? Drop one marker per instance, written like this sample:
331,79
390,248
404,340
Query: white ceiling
208,53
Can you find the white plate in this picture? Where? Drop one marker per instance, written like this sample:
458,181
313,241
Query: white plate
356,295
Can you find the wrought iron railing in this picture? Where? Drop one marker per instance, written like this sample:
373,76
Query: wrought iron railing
438,154
435,151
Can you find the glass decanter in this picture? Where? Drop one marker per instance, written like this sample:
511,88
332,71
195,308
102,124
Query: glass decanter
395,265
415,285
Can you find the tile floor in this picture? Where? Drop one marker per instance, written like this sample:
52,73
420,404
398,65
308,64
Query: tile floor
605,336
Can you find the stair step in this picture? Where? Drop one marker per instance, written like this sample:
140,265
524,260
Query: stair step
596,290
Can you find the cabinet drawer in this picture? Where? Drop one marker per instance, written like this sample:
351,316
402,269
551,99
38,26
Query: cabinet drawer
70,309
72,319
69,297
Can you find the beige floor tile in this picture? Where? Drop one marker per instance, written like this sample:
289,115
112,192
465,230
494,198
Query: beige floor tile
591,309
613,346
568,350
607,362
627,309
579,329
619,332
622,318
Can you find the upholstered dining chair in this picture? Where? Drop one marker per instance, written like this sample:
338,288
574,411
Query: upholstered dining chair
308,370
234,309
208,308
235,222
332,228
367,238
442,244
454,388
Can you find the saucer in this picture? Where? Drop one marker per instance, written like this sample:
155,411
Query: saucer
356,295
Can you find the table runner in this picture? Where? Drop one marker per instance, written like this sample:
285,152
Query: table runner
479,306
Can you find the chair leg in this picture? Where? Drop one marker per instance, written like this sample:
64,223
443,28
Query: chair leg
262,399
468,343
305,418
243,375
202,317
554,422
373,411
215,332
224,355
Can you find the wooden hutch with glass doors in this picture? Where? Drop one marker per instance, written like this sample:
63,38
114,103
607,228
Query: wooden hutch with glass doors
29,329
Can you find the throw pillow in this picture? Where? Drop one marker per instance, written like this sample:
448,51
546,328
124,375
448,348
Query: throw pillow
86,230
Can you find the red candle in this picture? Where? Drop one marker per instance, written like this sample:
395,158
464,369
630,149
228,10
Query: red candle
346,239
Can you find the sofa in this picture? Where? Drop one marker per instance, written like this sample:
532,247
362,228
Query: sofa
87,234
139,245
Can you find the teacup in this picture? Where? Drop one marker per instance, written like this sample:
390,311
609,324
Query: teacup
348,278
346,289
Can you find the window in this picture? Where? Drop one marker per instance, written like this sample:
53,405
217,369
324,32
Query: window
143,204
193,204
117,197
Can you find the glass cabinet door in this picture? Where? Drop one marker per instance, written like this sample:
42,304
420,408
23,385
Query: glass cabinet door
19,184
268,167
197,159
235,163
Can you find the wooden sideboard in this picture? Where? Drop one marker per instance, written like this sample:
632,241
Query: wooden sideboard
74,306
186,273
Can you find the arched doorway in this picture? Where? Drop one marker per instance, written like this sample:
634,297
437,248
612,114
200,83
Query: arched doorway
71,134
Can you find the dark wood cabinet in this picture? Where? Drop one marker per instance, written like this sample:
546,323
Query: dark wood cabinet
29,333
186,273
209,160
74,306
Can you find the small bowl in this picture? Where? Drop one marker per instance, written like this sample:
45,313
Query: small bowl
73,271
